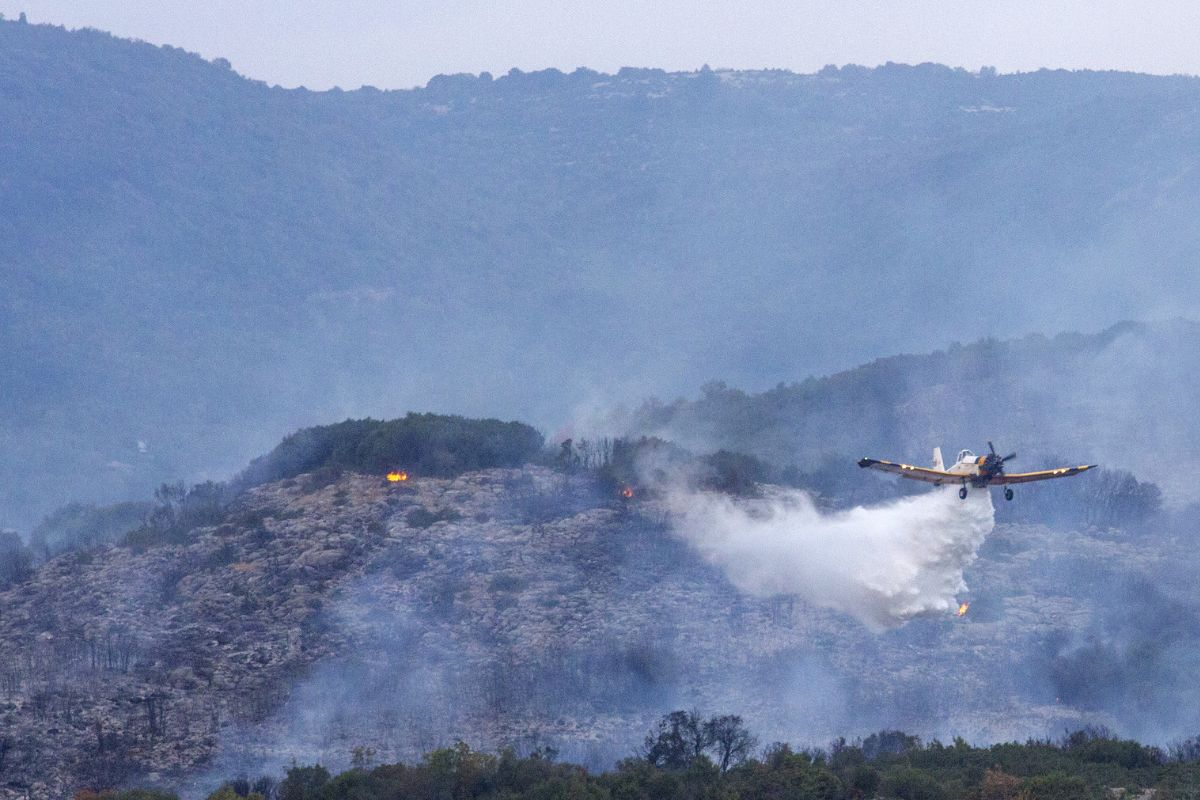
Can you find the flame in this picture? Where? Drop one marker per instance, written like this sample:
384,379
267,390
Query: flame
962,609
627,492
395,476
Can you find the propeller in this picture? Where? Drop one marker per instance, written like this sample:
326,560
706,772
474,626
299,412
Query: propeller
994,463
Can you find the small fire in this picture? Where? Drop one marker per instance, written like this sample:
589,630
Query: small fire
396,476
627,492
962,609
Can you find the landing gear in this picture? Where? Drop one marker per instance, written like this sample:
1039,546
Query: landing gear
1008,493
962,493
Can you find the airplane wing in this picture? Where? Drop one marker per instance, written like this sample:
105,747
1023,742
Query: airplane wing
909,471
1040,475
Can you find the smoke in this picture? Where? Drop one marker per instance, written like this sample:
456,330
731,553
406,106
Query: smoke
882,565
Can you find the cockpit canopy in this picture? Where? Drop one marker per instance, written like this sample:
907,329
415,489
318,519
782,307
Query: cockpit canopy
966,455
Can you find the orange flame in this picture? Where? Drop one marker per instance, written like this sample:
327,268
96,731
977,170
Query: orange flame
962,609
627,492
395,476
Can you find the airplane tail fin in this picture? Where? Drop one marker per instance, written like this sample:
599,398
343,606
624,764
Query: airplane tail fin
937,460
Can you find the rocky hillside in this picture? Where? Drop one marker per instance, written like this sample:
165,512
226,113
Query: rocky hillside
128,662
523,606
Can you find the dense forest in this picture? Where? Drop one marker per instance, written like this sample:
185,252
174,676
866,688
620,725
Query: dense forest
687,756
196,263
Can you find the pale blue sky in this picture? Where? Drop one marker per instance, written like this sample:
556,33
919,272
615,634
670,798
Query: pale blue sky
402,44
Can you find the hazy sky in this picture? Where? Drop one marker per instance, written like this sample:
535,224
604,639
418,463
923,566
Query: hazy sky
402,44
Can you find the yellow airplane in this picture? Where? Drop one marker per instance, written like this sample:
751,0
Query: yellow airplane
979,472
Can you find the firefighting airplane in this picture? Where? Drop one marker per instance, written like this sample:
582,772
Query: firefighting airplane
977,471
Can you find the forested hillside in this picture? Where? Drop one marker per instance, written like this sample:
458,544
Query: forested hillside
195,263
1122,398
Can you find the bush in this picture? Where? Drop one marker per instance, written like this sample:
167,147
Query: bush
1056,786
423,517
908,783
145,794
864,781
508,583
1123,752
238,790
999,785
304,783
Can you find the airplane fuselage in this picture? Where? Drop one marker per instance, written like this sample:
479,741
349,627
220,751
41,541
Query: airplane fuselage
972,468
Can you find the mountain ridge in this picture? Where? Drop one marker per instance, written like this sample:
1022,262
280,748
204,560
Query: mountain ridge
200,263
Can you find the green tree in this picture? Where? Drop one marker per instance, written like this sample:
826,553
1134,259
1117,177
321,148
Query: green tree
909,783
304,783
730,741
680,738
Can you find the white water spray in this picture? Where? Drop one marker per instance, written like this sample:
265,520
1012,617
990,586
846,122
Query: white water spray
883,565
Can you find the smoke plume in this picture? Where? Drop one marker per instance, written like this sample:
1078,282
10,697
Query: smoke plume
882,565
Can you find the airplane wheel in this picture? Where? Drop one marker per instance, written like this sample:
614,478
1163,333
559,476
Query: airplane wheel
962,493
1008,493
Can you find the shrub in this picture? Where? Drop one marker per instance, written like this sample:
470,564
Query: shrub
908,783
304,783
508,583
145,794
1056,786
423,517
